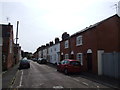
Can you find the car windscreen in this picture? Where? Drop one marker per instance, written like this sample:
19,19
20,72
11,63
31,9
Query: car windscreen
75,63
24,61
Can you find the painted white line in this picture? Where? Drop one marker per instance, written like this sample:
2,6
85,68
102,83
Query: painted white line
21,79
4,72
38,85
85,83
47,67
58,87
98,87
41,84
13,80
76,79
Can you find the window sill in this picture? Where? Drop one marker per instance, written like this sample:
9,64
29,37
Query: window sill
79,44
66,47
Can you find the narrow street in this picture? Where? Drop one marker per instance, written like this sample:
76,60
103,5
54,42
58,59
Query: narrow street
45,76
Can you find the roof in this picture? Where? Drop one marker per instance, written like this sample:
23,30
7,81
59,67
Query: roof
92,26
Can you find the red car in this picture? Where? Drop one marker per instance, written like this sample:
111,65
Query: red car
69,66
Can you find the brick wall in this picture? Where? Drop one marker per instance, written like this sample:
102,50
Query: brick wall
7,47
103,36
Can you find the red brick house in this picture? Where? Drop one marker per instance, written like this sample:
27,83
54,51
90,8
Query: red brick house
7,46
87,44
65,46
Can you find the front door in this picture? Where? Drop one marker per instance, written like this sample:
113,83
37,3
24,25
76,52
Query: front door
89,62
72,56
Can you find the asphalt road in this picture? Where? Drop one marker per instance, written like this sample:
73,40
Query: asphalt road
45,76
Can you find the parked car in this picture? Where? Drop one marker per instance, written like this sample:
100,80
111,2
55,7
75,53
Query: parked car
41,61
69,66
24,64
35,59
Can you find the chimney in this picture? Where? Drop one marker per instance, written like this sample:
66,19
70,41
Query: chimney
43,46
47,44
65,36
9,24
57,40
51,43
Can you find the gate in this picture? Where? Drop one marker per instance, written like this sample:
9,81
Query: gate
111,64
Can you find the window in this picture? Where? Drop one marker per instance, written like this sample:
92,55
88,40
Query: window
74,63
4,58
66,44
79,57
10,45
79,40
64,62
0,41
54,49
51,49
55,57
66,56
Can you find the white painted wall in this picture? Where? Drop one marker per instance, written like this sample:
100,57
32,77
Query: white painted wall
50,53
57,46
53,53
45,53
20,55
99,53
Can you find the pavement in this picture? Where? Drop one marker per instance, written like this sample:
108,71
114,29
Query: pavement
108,81
9,76
105,80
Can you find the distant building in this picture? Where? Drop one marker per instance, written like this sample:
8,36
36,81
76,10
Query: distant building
35,54
42,52
45,53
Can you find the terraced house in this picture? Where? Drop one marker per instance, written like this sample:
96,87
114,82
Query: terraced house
89,45
97,47
11,52
7,46
54,52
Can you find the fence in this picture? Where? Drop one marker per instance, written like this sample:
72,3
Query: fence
111,64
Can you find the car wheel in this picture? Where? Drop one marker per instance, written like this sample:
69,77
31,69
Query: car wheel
19,68
58,70
28,66
66,71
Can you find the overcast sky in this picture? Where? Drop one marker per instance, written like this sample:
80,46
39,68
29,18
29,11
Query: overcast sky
43,20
